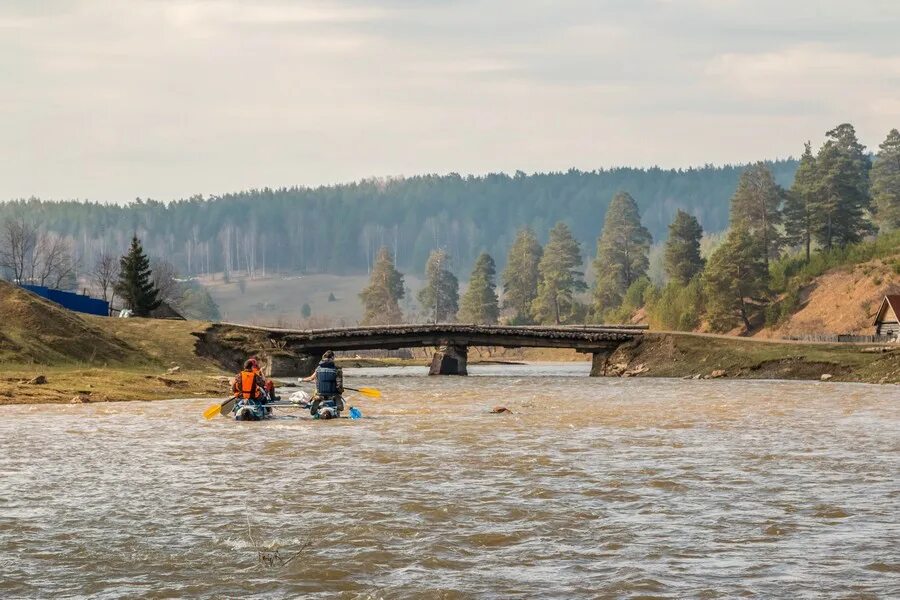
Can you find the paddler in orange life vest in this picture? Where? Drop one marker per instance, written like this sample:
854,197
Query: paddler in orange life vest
249,384
269,385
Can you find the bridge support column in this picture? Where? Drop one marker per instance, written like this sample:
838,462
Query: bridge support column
599,362
284,364
450,360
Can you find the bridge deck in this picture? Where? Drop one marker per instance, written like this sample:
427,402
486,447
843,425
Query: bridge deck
581,338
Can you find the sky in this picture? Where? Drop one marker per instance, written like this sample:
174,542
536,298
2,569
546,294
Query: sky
113,100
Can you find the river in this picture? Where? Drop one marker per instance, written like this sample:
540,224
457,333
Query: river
591,488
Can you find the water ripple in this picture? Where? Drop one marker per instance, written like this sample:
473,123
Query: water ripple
590,488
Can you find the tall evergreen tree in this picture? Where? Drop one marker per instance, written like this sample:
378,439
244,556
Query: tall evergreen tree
622,252
756,208
842,196
560,278
381,298
800,202
886,181
682,255
520,277
479,304
440,296
735,277
135,286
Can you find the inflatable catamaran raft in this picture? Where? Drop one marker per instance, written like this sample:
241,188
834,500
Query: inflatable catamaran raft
262,409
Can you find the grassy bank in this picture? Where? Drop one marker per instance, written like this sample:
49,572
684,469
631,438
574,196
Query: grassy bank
54,355
70,384
690,355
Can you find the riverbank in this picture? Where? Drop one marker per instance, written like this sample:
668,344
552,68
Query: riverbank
35,384
153,360
51,355
712,357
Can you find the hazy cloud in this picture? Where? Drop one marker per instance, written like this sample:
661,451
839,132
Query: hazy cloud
111,100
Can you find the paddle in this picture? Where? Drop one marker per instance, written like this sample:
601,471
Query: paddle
220,409
370,392
366,391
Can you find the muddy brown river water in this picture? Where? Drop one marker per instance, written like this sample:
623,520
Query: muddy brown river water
592,488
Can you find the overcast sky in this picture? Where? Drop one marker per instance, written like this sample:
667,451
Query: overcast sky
110,100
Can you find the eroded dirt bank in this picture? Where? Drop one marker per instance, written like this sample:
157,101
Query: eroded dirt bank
687,355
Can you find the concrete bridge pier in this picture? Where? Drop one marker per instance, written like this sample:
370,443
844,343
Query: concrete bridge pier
450,360
599,362
285,364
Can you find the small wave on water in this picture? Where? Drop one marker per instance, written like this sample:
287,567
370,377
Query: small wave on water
587,488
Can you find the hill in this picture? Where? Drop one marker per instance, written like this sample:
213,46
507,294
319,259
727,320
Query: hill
96,358
837,292
278,300
843,300
338,229
35,330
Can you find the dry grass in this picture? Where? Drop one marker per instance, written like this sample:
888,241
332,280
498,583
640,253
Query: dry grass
165,343
843,300
682,355
107,384
35,330
96,358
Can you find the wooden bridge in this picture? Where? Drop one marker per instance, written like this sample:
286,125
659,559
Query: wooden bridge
292,351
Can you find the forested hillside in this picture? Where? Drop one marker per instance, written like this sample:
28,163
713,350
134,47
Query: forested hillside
339,229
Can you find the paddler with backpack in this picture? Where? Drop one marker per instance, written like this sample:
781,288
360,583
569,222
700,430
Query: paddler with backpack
328,402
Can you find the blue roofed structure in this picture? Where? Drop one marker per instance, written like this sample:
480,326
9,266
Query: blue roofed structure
73,302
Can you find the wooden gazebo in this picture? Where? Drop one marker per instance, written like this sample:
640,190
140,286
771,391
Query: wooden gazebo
887,319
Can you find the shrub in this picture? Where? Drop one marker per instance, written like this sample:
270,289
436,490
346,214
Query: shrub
675,306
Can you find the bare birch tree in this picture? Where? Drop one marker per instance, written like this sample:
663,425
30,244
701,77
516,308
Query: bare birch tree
165,280
18,239
52,262
105,275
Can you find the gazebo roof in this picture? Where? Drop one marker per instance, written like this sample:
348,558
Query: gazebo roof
892,302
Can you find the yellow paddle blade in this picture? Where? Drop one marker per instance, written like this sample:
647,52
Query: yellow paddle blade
212,411
370,392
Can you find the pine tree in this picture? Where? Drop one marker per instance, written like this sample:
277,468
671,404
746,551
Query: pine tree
842,196
381,299
800,203
756,208
520,277
559,277
735,276
440,296
886,181
682,256
622,251
135,286
479,304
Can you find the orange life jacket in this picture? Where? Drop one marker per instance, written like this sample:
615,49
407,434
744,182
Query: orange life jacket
248,385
